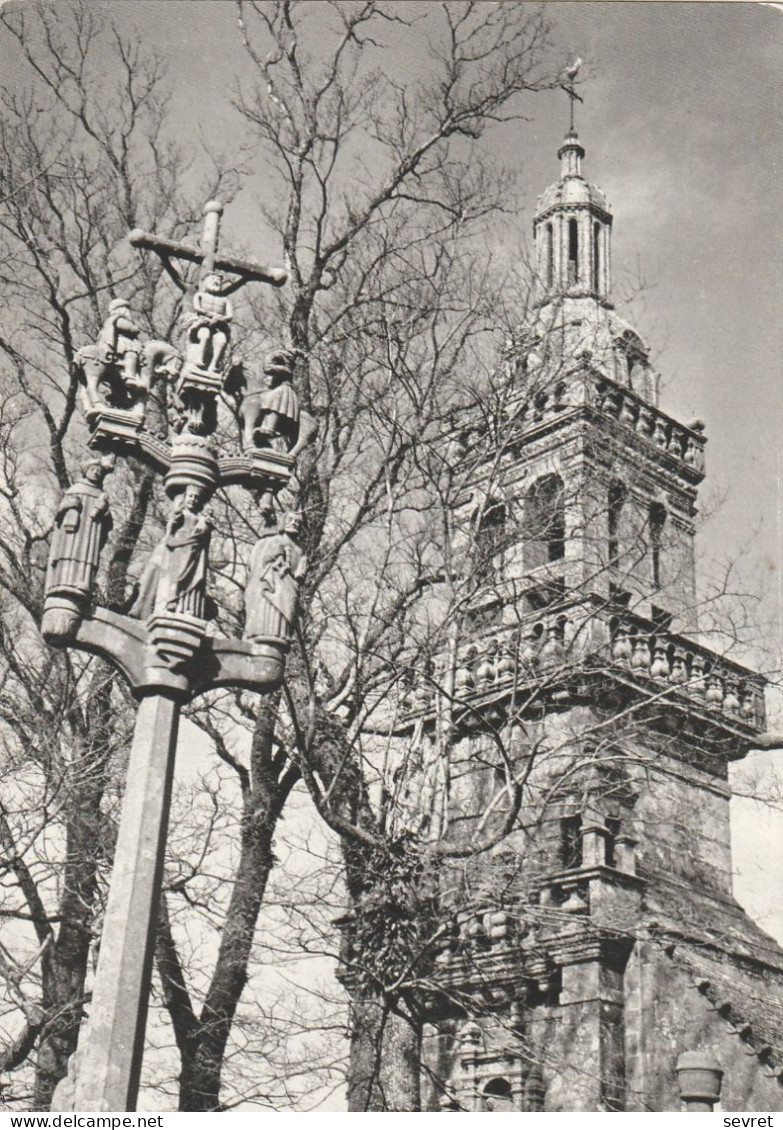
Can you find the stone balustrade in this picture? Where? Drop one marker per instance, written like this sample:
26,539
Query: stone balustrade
685,444
585,637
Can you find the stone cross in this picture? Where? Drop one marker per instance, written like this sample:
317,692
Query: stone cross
160,643
207,258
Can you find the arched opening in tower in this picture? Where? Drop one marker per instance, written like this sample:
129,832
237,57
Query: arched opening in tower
657,521
544,522
497,1095
573,251
490,538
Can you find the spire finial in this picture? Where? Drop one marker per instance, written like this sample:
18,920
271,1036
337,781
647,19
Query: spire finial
568,87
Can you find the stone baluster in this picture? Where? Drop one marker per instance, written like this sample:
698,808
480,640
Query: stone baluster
629,412
485,670
660,664
551,653
422,693
496,926
505,665
476,932
528,654
463,676
676,442
645,424
610,403
748,701
714,693
659,435
622,649
697,684
678,672
731,702
640,661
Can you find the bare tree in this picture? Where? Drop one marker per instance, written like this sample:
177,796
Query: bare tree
79,168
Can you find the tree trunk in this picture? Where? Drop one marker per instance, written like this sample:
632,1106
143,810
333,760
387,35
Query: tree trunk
64,965
204,1040
385,1063
201,1070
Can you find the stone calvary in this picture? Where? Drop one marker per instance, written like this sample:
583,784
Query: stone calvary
160,642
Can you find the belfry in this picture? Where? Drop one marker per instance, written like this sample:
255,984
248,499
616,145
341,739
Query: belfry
596,957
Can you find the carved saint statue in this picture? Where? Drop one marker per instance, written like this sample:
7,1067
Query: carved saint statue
208,327
277,566
81,526
175,576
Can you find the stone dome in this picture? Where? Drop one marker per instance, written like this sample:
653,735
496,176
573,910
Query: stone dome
571,190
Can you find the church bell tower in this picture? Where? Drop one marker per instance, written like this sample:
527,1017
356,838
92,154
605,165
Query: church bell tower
596,952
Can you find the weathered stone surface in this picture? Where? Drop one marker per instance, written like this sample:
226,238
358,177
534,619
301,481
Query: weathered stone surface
110,1050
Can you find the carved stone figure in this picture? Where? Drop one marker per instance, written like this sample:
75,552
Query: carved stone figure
81,526
277,566
118,341
208,327
175,577
105,385
267,406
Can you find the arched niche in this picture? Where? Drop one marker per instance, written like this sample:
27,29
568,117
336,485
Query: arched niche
544,521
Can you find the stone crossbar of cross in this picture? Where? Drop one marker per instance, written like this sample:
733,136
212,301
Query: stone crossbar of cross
208,258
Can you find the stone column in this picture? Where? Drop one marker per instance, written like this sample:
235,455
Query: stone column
109,1057
559,253
585,277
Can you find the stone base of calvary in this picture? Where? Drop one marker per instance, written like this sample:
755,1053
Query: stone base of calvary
161,644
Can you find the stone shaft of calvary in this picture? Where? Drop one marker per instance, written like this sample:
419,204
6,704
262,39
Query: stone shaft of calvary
160,644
